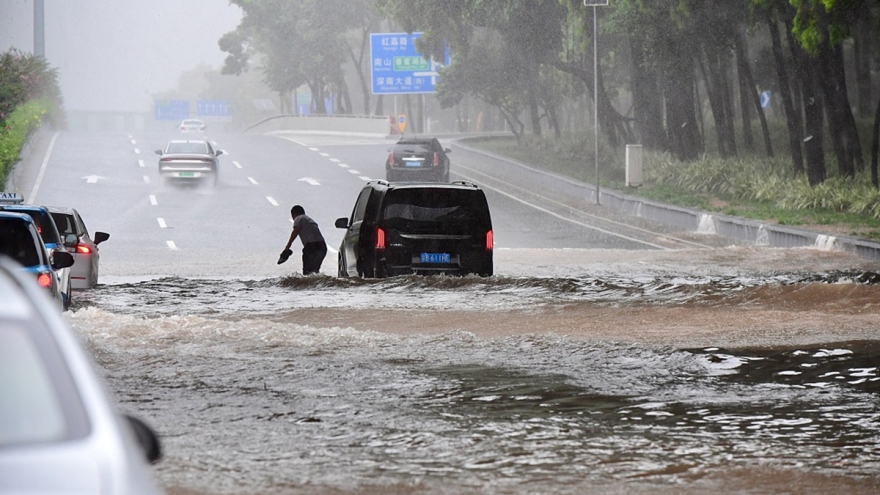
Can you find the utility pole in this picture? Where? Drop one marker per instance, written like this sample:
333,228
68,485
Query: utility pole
39,30
594,4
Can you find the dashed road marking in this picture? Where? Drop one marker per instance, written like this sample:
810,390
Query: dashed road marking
141,163
162,223
272,200
153,200
171,245
237,165
353,171
147,179
253,181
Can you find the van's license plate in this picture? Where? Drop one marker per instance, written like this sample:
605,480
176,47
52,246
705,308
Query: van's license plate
435,258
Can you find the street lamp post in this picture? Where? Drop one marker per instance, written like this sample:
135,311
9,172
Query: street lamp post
594,4
39,31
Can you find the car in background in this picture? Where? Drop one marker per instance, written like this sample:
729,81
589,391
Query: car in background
192,125
79,242
51,238
417,159
60,432
189,160
20,241
417,228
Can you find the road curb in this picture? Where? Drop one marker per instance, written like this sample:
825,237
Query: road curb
739,229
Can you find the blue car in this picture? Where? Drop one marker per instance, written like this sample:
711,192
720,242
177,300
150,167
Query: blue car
21,241
48,231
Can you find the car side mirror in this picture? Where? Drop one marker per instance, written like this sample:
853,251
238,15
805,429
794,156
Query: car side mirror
146,438
61,259
159,152
101,237
342,223
447,150
219,152
71,240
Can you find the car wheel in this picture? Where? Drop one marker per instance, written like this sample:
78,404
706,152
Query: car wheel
66,298
340,270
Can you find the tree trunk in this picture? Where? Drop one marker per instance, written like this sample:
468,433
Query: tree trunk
746,89
862,44
875,144
792,113
749,94
681,122
814,121
647,105
714,74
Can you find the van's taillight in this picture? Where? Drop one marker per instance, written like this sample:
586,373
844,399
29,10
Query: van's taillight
391,158
83,249
490,241
436,158
44,279
380,238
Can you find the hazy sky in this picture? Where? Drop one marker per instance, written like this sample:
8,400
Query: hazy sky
114,54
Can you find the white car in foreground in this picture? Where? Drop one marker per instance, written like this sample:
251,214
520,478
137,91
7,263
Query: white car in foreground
59,429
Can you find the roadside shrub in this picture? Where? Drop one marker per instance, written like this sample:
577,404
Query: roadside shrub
19,125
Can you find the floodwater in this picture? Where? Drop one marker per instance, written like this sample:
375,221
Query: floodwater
738,370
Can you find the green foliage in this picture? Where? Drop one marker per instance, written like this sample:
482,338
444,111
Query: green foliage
19,125
26,77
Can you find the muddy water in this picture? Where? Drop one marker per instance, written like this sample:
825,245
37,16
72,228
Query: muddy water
740,370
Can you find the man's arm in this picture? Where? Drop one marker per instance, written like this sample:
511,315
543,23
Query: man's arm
293,234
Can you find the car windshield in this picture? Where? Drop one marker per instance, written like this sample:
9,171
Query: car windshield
187,147
18,243
447,211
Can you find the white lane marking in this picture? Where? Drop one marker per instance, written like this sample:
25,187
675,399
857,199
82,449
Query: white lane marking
36,187
92,179
253,181
237,165
335,160
314,149
162,224
309,180
171,245
272,200
353,171
365,178
133,141
141,163
153,200
343,165
147,179
582,224
137,151
325,155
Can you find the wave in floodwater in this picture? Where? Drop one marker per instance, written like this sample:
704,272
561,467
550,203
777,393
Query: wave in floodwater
172,295
246,403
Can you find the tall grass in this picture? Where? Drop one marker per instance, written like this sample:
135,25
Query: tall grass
20,124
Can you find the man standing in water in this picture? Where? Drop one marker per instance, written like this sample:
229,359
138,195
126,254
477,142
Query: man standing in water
314,247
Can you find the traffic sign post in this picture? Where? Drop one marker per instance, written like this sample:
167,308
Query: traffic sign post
594,4
401,122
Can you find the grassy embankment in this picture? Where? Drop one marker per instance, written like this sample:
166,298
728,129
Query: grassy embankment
749,186
22,122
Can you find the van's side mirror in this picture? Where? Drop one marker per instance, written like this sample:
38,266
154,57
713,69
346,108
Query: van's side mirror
447,150
342,223
159,152
146,438
101,237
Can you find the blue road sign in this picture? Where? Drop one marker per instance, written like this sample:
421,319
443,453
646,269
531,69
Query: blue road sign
172,109
398,68
212,108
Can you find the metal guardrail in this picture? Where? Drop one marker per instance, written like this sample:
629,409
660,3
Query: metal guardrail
739,229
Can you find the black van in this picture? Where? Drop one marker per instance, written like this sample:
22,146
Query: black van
423,228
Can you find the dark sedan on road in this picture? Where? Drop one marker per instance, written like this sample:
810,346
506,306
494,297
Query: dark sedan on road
417,159
189,160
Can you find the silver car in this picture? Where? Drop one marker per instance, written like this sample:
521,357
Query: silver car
189,160
59,430
192,125
79,242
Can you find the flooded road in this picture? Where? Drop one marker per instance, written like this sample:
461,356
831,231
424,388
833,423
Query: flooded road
745,370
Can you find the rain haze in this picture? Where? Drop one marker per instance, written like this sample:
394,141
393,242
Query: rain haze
460,309
113,56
